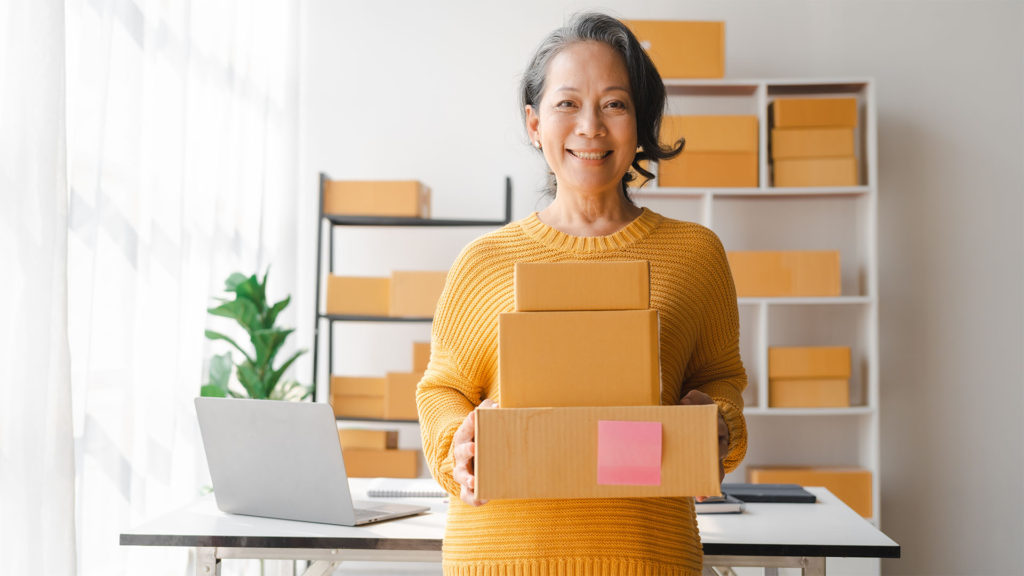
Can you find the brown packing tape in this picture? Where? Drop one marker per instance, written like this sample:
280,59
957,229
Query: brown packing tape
560,286
396,198
683,49
552,452
606,358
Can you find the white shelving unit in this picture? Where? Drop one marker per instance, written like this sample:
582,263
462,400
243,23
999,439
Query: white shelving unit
770,218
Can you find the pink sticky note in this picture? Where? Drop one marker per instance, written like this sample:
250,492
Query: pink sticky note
629,453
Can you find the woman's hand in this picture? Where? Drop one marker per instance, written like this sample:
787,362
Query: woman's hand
464,449
697,397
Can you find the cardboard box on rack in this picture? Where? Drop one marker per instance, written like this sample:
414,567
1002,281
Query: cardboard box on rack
400,396
809,392
785,273
789,362
415,294
799,172
420,356
711,133
397,198
709,170
851,485
362,463
361,438
352,406
359,296
683,49
562,286
581,358
812,112
358,385
812,143
645,451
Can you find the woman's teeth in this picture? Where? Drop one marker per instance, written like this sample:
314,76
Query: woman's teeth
589,155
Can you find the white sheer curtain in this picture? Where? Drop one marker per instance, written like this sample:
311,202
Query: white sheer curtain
36,457
181,163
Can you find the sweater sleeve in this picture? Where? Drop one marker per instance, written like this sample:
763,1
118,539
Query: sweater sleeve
719,371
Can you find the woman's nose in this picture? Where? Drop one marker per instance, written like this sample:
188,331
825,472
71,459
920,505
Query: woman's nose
589,123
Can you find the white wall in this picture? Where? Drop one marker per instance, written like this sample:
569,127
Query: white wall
428,90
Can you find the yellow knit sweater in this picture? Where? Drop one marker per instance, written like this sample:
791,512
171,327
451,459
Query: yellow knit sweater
692,288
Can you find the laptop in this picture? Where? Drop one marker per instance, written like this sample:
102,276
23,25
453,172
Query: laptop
283,460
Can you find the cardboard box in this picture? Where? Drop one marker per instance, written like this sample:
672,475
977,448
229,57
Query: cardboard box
851,485
606,358
351,406
712,133
401,198
360,438
808,362
554,452
811,112
361,463
794,172
809,392
415,294
358,385
812,143
683,49
400,397
359,296
785,274
709,170
420,356
560,286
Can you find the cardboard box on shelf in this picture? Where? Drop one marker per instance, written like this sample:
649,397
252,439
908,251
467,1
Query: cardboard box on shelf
809,392
361,438
785,273
851,485
420,356
709,170
561,286
810,112
604,358
363,463
683,49
710,133
398,198
566,453
400,397
359,296
812,142
790,362
415,294
801,172
358,385
351,406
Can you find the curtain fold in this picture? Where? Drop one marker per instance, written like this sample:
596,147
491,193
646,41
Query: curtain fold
37,476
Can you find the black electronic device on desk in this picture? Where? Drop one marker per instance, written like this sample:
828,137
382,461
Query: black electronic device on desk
781,493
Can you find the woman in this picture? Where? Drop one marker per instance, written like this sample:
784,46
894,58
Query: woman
592,103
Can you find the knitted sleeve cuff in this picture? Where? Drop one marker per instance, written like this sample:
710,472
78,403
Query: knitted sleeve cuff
737,426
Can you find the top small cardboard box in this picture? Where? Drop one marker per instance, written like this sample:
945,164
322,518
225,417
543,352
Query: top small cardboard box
398,198
567,286
683,49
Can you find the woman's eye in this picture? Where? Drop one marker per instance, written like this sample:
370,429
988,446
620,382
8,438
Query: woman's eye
617,104
565,104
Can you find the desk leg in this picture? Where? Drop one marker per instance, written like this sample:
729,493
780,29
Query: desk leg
809,566
207,563
814,567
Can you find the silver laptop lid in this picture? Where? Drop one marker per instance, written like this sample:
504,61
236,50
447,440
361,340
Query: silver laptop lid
277,459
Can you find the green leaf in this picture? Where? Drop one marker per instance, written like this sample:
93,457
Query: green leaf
218,336
250,290
291,391
233,281
250,380
242,311
276,374
267,344
276,309
220,369
212,390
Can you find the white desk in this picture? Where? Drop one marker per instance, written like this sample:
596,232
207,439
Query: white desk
769,535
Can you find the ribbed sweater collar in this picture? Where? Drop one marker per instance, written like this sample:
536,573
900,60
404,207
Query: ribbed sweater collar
637,230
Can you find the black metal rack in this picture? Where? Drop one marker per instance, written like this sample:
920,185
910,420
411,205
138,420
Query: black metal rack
333,220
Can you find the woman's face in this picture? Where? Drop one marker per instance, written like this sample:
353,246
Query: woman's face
585,122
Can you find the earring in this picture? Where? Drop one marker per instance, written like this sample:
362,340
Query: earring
639,149
536,144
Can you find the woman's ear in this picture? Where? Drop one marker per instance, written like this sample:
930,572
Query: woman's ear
532,125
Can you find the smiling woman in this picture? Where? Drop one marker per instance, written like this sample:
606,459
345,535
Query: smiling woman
590,96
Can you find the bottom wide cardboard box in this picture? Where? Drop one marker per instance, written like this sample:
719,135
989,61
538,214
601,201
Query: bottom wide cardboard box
851,485
597,452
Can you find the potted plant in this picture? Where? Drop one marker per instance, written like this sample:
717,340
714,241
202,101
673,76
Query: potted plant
255,372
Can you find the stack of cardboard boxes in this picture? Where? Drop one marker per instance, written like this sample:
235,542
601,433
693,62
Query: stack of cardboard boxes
809,377
720,151
812,141
404,294
580,415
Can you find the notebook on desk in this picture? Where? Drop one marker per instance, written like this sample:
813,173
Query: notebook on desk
282,460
